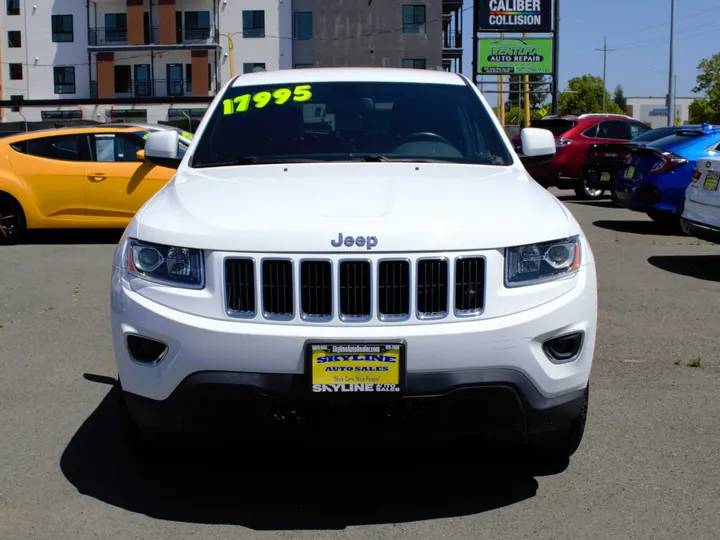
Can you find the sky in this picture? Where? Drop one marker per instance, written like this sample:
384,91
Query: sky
639,31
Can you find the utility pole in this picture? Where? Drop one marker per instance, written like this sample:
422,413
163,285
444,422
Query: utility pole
671,72
605,50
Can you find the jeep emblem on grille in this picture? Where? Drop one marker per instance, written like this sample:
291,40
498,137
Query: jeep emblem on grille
349,241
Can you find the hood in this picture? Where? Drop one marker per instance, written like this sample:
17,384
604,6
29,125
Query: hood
303,207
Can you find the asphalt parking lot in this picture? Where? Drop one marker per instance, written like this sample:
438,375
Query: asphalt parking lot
648,467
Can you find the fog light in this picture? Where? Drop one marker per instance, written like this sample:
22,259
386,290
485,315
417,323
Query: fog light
145,350
564,348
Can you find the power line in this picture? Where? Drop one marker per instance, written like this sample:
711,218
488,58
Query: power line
604,50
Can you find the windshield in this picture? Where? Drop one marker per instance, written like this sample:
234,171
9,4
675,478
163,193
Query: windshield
340,121
681,137
654,134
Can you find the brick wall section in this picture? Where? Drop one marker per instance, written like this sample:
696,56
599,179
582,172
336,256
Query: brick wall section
166,13
200,73
106,74
135,30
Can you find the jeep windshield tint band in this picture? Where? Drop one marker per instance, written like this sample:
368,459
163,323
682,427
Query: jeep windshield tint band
340,121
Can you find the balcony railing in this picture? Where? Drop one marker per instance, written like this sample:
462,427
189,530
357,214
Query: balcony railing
452,40
184,35
153,88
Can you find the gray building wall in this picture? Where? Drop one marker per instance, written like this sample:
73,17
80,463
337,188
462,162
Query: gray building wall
367,33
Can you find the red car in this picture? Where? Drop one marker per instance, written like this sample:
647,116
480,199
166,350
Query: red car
573,137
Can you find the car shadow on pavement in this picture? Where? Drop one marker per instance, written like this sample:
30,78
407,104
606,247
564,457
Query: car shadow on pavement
705,267
649,228
595,204
289,488
72,236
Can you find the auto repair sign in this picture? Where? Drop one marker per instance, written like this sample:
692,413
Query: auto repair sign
515,15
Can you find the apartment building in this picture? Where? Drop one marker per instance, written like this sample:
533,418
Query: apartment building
155,60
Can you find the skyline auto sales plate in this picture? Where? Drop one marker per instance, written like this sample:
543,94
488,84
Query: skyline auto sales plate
357,368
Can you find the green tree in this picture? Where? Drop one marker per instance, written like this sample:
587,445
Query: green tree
619,98
584,96
516,97
708,83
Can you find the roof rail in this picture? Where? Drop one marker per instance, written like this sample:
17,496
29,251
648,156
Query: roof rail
593,115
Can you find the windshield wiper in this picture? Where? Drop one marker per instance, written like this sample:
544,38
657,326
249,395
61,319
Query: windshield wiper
379,158
253,160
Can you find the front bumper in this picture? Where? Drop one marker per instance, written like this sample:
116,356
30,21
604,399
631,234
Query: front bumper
493,369
702,231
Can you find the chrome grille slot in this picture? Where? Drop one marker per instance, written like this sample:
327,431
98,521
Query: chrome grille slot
469,285
240,286
277,288
316,289
355,291
393,289
432,287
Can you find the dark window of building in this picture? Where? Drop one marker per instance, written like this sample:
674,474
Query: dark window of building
413,18
16,99
197,25
14,39
62,28
180,114
13,7
415,63
303,25
249,67
123,80
253,23
128,116
16,72
64,147
115,27
303,66
64,79
61,115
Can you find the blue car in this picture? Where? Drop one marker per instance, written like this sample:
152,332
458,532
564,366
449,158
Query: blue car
656,175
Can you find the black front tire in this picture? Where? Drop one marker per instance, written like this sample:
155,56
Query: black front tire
12,221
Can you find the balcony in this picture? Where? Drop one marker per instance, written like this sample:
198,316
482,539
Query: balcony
452,44
174,88
186,37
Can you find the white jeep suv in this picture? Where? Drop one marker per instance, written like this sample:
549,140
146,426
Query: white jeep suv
354,251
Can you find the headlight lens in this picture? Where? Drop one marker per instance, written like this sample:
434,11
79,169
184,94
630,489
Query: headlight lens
177,266
537,263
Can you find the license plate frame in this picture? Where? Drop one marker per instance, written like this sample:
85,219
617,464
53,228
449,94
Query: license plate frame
605,176
356,382
711,181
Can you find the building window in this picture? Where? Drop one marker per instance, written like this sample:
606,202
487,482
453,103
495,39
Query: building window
413,18
16,72
197,25
64,80
303,25
249,67
128,116
62,28
14,39
414,63
61,115
253,23
182,114
115,27
123,80
303,66
13,7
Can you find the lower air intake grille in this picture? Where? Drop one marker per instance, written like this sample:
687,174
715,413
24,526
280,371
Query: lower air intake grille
394,288
277,287
469,285
355,288
240,285
316,288
432,287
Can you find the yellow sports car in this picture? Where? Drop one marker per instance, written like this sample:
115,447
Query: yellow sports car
86,177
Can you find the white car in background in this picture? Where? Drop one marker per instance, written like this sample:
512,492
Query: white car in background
354,251
701,213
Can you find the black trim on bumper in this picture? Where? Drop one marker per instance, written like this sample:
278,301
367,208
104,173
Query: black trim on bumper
495,403
701,230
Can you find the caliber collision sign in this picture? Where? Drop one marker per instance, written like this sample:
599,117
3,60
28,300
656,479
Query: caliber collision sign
510,56
515,15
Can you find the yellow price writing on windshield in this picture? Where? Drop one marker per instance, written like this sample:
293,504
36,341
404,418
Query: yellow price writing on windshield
261,99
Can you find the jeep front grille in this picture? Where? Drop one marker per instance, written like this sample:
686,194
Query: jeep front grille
355,292
347,289
277,288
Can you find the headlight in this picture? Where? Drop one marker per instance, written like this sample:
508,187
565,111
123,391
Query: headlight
171,265
538,263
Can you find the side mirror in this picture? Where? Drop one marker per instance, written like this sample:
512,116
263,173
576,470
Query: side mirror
161,148
538,146
140,155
